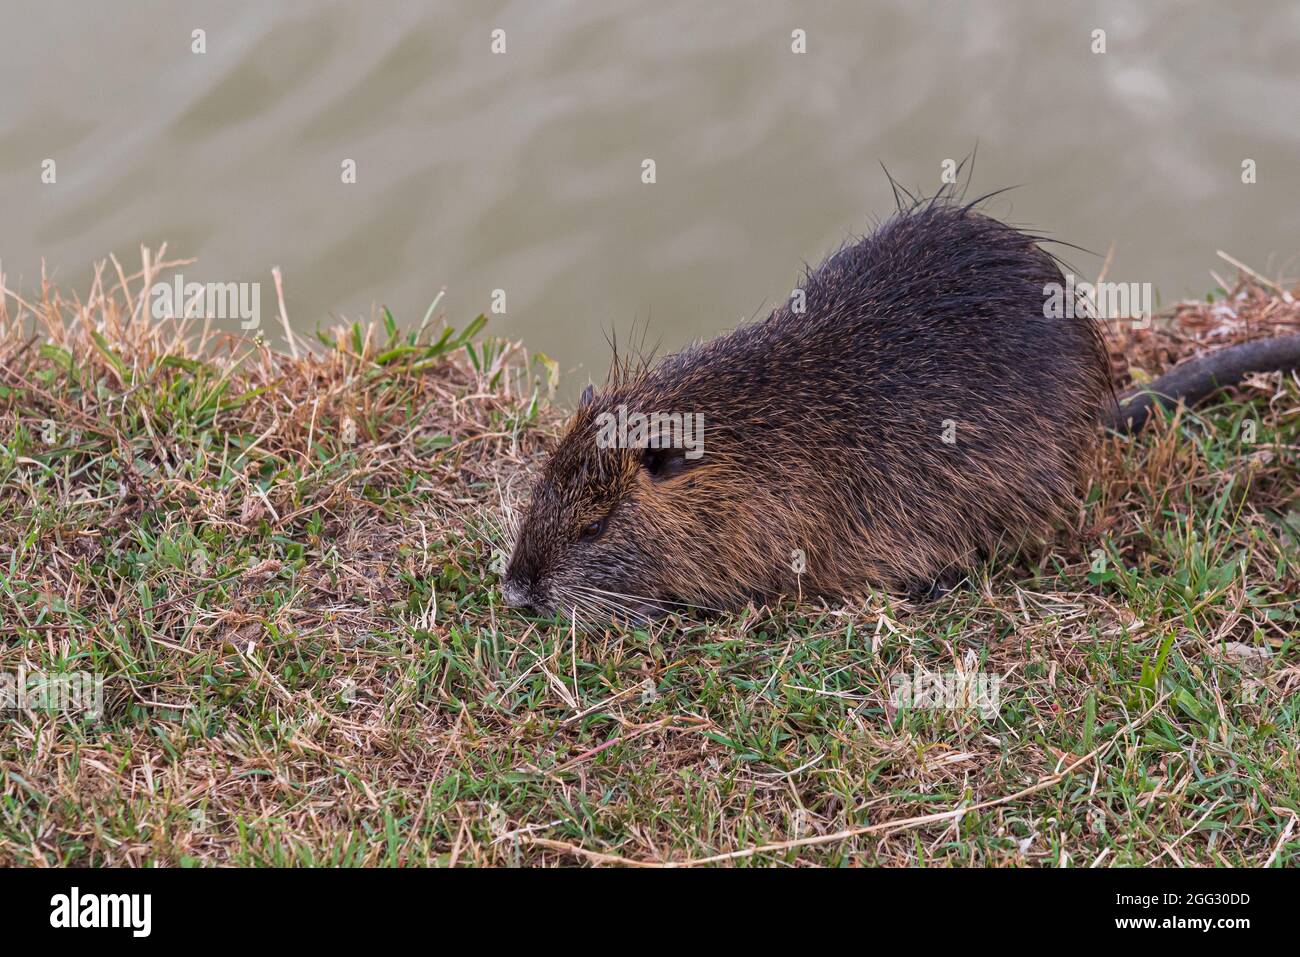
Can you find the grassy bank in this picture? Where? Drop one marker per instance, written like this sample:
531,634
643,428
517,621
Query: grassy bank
281,565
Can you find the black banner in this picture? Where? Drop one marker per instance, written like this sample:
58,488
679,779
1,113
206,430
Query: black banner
148,907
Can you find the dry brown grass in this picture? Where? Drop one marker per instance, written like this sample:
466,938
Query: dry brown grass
334,683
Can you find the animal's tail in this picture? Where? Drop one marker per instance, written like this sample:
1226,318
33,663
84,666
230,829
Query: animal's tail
1194,379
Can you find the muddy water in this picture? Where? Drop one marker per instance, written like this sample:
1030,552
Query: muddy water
523,171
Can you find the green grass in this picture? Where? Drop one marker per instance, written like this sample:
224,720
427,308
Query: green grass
305,661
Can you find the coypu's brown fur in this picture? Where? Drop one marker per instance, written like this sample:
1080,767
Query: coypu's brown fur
824,436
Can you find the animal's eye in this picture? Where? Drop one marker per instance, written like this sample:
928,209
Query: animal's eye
592,530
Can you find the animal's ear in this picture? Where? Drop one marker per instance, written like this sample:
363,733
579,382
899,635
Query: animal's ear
663,464
587,394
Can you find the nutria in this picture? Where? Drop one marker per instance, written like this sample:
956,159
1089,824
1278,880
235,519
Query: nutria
911,412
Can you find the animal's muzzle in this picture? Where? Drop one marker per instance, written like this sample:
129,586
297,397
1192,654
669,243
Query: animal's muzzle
517,595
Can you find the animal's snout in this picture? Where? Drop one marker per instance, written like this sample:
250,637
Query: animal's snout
516,594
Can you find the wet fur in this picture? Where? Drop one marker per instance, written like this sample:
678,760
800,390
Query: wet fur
823,433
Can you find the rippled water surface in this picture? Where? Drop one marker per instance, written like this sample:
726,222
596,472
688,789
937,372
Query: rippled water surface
523,171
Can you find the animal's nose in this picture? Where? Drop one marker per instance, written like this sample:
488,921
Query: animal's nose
515,594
